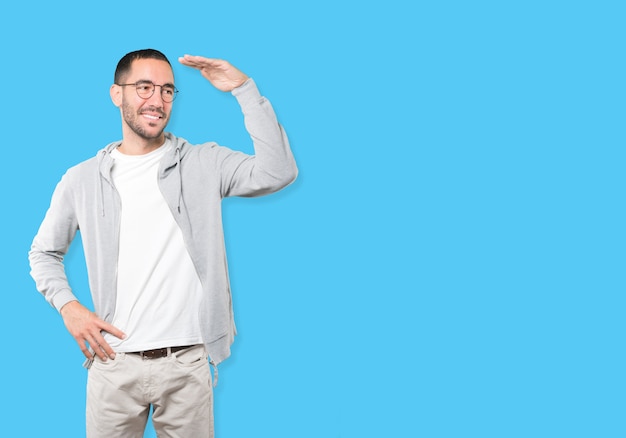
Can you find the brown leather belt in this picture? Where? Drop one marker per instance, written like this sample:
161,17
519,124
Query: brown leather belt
158,352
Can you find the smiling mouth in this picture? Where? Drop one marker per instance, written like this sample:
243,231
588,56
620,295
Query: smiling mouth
153,114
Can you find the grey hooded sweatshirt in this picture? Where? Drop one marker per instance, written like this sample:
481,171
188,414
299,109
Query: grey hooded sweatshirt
193,180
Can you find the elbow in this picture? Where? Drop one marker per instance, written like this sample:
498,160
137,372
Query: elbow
291,175
288,176
275,181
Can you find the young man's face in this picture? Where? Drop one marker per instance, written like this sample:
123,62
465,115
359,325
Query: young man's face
147,117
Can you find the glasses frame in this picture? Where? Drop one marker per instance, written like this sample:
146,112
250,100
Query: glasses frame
153,89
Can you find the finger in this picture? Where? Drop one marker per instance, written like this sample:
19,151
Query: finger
193,58
200,61
83,347
196,65
191,64
97,348
189,59
104,347
105,326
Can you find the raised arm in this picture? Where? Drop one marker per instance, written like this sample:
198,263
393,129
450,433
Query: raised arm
272,166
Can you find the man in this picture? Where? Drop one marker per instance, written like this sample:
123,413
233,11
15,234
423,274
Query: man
149,211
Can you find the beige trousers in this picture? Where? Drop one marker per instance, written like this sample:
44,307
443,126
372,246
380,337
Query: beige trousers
120,393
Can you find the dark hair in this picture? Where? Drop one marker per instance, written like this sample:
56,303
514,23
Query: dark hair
123,66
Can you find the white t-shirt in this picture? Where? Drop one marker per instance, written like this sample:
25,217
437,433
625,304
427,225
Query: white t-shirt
158,288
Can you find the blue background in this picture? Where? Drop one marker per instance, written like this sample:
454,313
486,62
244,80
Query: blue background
449,262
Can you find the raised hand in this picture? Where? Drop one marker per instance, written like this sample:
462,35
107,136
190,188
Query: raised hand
220,73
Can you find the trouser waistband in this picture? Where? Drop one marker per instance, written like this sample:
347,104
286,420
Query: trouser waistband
159,352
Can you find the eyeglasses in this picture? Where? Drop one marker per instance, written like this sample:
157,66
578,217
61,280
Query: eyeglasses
145,90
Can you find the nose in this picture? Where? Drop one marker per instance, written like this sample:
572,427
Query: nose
156,98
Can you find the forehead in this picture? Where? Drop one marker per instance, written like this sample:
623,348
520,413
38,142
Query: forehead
154,70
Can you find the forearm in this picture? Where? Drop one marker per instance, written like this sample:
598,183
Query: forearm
49,247
48,271
273,160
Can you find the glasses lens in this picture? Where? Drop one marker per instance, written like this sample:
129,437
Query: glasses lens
144,89
168,93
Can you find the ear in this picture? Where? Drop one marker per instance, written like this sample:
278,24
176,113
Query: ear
116,95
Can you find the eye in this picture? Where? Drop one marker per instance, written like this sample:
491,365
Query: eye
169,91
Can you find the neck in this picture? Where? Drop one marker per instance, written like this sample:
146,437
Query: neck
140,146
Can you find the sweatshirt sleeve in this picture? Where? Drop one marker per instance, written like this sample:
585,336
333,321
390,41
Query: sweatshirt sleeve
272,166
50,245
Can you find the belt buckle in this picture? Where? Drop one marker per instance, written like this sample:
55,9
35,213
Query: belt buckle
153,354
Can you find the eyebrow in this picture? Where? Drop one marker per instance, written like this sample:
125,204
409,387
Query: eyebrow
140,81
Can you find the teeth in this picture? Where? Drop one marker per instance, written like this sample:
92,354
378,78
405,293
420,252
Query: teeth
151,117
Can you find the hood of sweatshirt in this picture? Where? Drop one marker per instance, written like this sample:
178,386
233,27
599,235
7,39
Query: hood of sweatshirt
170,163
